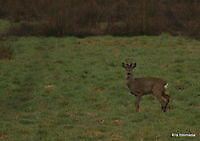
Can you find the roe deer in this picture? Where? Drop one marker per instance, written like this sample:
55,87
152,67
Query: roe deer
146,85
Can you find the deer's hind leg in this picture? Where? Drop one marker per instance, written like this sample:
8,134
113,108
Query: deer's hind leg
167,97
158,94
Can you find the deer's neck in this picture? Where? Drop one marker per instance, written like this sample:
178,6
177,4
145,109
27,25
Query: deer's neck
129,78
130,81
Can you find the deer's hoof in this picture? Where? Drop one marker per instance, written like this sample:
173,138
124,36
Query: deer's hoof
137,111
164,108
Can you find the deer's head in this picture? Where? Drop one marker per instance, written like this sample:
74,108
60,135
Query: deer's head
129,67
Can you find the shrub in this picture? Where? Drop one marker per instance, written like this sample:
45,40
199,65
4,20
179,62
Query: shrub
85,17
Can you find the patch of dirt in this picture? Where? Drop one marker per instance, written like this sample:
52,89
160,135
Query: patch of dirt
99,90
142,134
26,134
196,106
116,42
139,43
117,122
3,136
115,136
49,86
90,114
164,66
193,49
103,107
116,52
97,133
65,105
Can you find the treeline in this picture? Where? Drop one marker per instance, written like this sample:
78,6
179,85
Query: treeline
100,17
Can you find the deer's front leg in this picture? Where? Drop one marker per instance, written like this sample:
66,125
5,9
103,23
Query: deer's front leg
137,102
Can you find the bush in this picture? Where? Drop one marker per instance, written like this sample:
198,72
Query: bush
26,28
85,17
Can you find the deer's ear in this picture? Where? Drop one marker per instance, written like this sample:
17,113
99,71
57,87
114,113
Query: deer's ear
123,65
134,65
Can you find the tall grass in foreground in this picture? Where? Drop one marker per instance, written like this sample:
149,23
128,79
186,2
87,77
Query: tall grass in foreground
74,89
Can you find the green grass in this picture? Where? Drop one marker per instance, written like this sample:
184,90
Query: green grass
72,89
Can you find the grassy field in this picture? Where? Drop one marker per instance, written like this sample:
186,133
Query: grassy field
72,89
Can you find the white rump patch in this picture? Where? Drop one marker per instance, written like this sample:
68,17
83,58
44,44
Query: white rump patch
166,86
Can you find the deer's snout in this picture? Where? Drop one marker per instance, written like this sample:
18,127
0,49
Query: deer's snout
129,73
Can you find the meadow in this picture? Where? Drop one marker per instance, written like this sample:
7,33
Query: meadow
74,89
